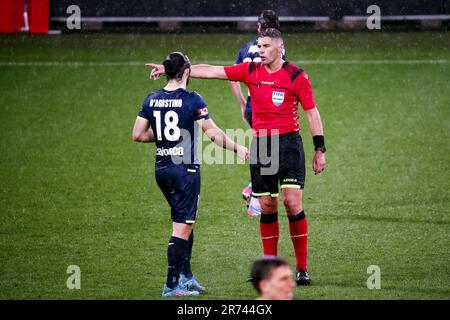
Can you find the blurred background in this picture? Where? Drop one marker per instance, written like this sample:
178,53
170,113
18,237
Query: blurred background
219,16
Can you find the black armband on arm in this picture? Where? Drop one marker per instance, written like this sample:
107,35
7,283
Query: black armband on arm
319,143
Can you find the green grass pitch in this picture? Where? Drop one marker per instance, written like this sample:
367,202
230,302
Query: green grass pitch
76,190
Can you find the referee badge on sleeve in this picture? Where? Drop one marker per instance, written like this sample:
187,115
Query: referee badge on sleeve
277,98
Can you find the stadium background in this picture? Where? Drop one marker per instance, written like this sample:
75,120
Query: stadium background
75,190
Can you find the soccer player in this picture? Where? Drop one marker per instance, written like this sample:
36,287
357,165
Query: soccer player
272,279
276,88
170,117
249,53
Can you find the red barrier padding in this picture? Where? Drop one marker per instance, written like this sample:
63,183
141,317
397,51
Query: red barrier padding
38,15
20,16
11,16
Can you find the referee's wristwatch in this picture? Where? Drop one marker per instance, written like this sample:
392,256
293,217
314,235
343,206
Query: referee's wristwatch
322,149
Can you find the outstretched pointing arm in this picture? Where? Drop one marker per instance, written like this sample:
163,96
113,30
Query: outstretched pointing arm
204,71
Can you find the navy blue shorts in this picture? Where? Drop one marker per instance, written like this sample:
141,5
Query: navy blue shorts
180,184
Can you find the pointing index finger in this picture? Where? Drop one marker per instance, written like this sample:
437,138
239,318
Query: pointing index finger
153,65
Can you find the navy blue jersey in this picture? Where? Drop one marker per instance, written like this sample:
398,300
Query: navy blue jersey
249,53
172,116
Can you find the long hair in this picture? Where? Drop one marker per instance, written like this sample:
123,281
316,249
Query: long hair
175,64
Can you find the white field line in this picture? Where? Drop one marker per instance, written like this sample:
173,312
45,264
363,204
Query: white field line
213,62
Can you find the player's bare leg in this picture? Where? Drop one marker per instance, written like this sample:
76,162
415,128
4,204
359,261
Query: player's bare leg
298,228
269,224
182,230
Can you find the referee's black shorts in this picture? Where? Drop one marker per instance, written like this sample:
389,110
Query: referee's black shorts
270,167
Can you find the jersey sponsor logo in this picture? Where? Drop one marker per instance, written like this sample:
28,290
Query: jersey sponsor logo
277,98
202,112
175,151
267,82
166,103
253,49
254,59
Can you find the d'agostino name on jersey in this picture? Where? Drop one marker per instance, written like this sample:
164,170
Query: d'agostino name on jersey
166,103
173,118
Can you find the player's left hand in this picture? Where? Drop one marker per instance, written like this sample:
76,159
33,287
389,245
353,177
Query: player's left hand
319,162
242,153
158,70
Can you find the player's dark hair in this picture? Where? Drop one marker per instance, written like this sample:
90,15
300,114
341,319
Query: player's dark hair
175,64
269,19
271,33
262,269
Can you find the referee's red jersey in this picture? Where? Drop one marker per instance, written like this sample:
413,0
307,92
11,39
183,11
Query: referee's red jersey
275,96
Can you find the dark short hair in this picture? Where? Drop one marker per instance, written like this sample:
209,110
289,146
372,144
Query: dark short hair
262,269
175,64
269,19
271,33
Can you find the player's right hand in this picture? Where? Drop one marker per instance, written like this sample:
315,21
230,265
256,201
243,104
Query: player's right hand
157,71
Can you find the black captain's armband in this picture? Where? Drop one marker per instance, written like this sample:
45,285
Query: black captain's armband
319,143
